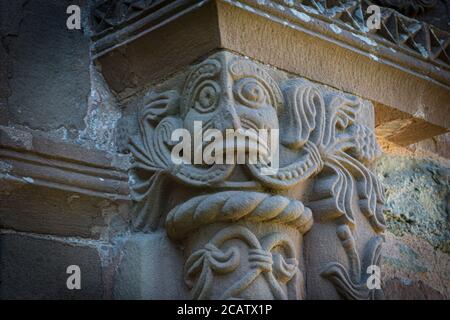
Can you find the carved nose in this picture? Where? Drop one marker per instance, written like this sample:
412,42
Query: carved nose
235,120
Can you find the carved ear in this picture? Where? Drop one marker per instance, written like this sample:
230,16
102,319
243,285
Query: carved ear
160,105
341,112
298,119
344,111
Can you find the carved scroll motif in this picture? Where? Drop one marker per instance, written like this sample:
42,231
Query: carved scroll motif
321,138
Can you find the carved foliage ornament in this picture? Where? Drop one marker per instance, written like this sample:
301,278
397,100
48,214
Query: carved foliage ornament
320,137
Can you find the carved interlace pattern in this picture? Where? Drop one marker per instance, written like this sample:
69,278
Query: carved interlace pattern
321,133
274,267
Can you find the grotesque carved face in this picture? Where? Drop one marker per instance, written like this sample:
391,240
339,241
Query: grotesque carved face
235,94
230,92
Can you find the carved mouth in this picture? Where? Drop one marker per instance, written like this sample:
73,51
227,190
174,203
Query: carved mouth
245,142
290,175
284,177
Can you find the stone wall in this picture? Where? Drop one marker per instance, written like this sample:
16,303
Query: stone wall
57,123
416,255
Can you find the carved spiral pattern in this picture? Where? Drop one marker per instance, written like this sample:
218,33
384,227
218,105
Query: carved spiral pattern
254,91
200,91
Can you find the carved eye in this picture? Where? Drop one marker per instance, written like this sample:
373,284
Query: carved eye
207,96
250,92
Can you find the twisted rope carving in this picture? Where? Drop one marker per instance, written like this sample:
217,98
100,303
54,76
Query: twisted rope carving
231,206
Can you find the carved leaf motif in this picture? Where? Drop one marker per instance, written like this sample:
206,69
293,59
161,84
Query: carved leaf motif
349,287
147,210
298,119
362,143
370,193
151,151
151,148
343,140
338,275
340,113
342,193
353,180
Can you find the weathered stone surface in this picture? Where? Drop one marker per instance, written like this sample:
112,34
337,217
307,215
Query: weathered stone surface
149,267
35,268
416,261
60,164
439,145
54,187
417,195
103,114
38,209
403,128
189,38
47,66
413,269
403,289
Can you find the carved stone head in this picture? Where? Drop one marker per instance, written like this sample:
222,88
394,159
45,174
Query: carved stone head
230,93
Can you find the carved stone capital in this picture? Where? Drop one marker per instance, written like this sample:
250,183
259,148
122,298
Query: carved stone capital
251,235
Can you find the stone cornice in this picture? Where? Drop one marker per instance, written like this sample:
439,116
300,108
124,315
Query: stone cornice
405,43
28,158
116,23
397,42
